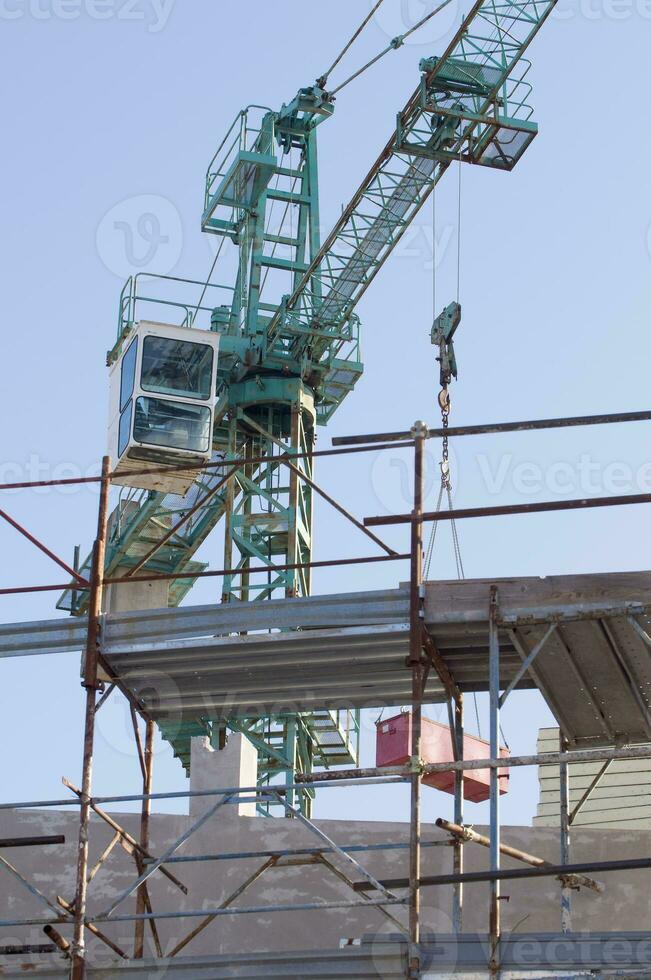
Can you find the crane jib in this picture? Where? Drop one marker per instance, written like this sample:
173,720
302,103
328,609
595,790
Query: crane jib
476,89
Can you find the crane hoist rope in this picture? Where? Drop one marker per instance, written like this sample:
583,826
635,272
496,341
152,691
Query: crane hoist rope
460,166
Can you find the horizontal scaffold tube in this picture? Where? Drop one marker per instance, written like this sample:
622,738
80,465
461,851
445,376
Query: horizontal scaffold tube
468,834
542,759
492,428
549,871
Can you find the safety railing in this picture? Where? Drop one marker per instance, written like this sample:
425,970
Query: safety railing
243,135
169,299
389,895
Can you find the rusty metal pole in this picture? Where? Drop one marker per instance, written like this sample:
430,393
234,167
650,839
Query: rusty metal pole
90,682
145,813
419,432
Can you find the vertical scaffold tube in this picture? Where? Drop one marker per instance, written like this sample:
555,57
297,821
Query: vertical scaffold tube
145,814
419,432
566,893
90,665
457,900
494,699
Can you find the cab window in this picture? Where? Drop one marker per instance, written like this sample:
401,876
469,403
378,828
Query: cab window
128,375
176,367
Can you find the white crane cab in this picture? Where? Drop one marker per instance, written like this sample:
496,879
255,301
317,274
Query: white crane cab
162,402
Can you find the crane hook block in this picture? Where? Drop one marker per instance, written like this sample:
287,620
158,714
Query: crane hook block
443,330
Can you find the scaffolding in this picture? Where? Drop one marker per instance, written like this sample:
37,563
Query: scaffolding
407,644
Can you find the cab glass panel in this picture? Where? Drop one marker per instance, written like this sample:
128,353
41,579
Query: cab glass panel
176,425
176,367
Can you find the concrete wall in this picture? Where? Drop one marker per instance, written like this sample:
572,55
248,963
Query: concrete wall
532,906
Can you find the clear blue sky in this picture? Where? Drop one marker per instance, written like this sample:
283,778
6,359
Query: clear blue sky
113,111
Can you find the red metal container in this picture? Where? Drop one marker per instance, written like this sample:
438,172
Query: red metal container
393,748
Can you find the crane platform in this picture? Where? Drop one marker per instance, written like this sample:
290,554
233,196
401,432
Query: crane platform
347,651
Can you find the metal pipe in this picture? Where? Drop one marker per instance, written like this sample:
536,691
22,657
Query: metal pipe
339,507
293,852
544,506
595,782
251,879
94,931
301,474
32,889
105,696
223,572
218,573
513,761
491,428
564,799
179,524
32,841
527,663
248,460
494,725
41,547
27,950
90,682
362,777
306,822
145,814
458,859
126,837
514,874
251,910
149,871
62,944
72,481
416,664
234,791
469,834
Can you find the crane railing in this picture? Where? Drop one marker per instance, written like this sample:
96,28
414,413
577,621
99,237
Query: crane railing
242,136
168,299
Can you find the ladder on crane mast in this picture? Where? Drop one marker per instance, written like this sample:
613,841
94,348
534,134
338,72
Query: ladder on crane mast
289,356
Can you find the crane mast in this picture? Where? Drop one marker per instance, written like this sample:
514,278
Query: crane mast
289,344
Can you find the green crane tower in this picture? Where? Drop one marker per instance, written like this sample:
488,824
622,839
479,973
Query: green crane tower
290,337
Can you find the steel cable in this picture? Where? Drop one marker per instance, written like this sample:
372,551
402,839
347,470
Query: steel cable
396,43
322,79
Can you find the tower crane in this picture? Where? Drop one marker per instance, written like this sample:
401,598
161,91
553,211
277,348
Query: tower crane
289,336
